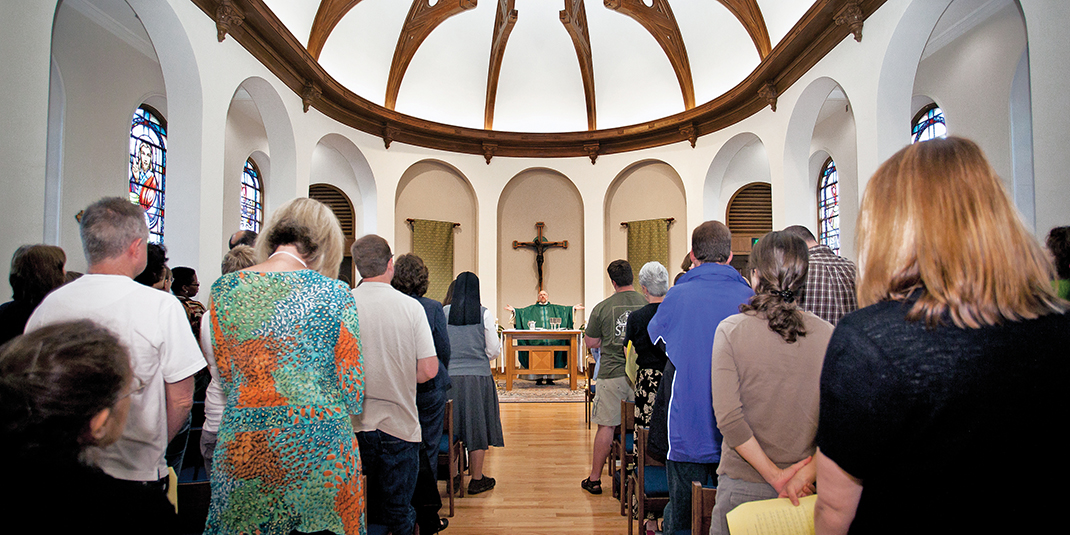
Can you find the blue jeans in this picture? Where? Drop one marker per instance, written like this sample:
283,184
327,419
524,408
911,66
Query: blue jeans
680,475
391,465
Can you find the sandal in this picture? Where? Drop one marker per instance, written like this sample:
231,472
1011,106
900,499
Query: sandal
594,487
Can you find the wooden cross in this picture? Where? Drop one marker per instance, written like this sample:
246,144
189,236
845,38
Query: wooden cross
540,245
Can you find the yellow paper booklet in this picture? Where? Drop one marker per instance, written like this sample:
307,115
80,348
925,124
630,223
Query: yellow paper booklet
773,517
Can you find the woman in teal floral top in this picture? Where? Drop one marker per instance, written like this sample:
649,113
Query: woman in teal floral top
285,338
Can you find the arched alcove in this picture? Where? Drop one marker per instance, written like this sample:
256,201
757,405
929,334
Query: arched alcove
437,191
822,120
280,138
740,161
968,67
834,136
88,137
749,215
337,160
245,136
342,206
649,189
531,196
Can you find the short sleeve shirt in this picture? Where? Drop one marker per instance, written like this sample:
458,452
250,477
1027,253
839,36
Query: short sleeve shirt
394,335
608,322
153,326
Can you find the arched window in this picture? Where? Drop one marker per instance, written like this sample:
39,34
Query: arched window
252,198
148,167
928,124
828,207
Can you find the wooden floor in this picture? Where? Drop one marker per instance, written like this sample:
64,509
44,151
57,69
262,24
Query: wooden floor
547,453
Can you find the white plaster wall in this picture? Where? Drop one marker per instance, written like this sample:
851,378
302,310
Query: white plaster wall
96,131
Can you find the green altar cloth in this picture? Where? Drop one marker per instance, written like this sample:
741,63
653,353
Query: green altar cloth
541,315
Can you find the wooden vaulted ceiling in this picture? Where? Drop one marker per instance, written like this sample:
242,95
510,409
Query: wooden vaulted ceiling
257,28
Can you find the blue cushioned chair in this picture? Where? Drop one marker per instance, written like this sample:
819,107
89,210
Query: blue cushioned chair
648,487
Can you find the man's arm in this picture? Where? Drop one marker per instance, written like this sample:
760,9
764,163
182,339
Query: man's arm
592,343
426,369
179,398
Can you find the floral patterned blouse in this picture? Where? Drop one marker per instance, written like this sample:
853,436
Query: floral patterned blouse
288,352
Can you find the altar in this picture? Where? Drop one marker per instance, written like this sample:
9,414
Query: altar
541,358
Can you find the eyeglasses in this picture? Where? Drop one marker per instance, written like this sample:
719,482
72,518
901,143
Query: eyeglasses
136,387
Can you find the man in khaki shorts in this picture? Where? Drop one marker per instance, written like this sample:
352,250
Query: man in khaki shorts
605,330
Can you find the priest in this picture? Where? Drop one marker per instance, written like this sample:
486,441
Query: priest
540,313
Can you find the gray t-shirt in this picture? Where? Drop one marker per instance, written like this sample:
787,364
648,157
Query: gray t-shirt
394,334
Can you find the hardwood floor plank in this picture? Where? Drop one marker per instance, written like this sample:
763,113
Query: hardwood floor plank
547,453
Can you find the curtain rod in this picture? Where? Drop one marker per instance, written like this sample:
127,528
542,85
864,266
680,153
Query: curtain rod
411,221
668,221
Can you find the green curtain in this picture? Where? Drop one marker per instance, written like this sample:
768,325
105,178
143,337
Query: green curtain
432,241
647,241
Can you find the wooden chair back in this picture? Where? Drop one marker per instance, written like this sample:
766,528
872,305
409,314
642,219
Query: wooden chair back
588,390
702,499
649,474
623,450
450,456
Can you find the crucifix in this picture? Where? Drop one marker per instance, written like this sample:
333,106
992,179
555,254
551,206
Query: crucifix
540,245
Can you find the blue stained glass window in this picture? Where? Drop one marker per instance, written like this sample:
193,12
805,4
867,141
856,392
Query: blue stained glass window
828,207
148,167
928,124
252,198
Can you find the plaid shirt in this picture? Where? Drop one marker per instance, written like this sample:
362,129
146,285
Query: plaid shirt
830,285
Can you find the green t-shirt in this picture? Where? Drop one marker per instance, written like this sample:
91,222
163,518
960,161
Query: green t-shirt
607,322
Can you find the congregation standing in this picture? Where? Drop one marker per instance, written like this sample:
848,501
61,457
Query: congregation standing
325,403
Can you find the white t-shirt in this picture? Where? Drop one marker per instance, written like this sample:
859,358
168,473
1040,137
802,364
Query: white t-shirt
153,326
394,334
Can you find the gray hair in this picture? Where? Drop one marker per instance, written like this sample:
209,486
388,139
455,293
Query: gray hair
655,278
109,226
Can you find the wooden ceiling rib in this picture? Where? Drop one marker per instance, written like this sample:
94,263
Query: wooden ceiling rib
750,15
574,17
660,22
268,40
328,15
504,21
419,23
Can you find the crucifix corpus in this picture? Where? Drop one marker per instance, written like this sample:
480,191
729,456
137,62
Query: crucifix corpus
540,245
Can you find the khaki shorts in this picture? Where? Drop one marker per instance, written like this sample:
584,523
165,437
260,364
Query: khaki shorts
607,397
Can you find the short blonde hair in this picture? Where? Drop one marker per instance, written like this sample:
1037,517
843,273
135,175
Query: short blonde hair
936,218
310,226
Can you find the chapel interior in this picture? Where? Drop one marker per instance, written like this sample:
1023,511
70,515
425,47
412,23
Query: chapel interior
497,115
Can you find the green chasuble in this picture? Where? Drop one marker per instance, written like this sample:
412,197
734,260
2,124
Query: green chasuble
541,315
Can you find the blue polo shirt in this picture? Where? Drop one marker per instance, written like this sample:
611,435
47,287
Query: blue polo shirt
686,321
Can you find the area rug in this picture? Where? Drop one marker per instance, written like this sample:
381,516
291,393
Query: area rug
529,392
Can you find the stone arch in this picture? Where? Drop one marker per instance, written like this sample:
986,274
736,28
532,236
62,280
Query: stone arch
359,181
646,189
435,190
533,195
742,159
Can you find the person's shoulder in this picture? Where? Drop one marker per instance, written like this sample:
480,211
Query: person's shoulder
814,324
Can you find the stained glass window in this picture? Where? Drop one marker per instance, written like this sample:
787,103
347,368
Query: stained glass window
148,166
828,207
252,198
928,124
